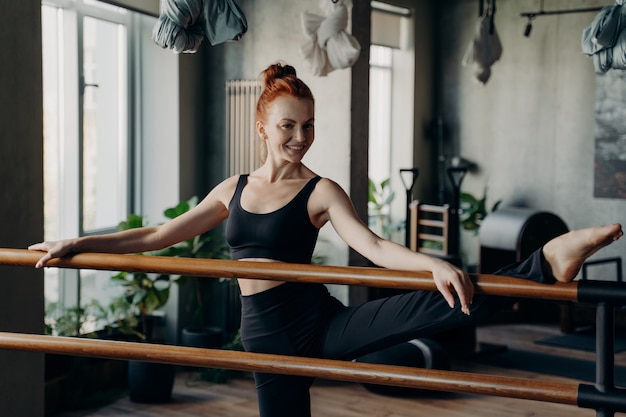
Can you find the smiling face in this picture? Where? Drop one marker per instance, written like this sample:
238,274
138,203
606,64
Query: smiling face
288,130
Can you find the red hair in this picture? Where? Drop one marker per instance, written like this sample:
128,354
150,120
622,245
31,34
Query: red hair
279,80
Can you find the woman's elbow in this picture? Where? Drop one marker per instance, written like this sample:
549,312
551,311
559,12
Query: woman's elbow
374,250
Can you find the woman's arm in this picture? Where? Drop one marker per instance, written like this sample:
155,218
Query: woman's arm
339,210
211,211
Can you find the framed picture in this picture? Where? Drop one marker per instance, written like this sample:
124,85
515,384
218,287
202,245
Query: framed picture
610,136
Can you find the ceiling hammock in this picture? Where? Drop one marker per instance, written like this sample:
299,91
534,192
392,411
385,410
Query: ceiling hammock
604,39
328,46
485,48
183,24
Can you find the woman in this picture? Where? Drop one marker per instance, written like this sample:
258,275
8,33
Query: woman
274,215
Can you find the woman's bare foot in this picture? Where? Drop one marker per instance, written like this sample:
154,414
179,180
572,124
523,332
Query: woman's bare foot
566,253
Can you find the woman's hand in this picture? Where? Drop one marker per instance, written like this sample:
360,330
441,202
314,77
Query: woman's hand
447,278
55,249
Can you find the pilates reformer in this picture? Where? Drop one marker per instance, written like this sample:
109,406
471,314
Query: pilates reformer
603,396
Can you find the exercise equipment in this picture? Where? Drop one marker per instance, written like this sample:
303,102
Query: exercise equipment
603,396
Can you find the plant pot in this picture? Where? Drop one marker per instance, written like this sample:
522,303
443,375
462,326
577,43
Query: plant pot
203,337
150,382
77,382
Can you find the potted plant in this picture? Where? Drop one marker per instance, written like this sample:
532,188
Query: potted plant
473,211
380,197
147,293
76,382
143,295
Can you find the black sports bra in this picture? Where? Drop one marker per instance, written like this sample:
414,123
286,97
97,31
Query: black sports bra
286,234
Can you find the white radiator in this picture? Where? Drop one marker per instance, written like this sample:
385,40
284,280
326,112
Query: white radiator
243,146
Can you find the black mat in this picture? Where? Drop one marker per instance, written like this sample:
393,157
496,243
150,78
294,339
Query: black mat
586,342
549,365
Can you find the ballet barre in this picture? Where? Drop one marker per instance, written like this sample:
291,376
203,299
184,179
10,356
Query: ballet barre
563,393
604,397
588,291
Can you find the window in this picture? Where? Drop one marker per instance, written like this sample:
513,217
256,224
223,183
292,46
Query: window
87,134
391,112
380,113
105,129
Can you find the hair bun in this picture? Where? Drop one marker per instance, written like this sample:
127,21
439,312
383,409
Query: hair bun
277,71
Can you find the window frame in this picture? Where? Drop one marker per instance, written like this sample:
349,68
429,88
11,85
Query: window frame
402,134
69,178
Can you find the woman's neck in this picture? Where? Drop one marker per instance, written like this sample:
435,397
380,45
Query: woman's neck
285,171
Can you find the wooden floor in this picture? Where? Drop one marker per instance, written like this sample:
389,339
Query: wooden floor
522,358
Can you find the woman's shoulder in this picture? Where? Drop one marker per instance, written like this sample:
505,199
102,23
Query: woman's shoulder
230,182
328,196
225,189
330,189
329,184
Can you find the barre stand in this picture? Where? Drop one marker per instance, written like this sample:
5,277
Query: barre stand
409,184
456,174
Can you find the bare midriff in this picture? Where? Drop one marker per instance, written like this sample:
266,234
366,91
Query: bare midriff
254,286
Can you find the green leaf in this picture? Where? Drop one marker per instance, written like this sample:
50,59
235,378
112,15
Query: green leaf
151,302
389,198
155,299
138,297
468,200
371,191
121,276
132,222
180,208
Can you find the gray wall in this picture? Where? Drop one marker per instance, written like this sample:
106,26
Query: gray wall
275,33
21,194
531,127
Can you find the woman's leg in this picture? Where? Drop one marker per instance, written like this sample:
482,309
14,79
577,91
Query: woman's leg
286,320
377,324
283,395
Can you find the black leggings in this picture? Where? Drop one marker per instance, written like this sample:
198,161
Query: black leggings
305,320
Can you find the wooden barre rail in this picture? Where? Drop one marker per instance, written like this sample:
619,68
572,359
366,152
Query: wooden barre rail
345,275
520,388
603,400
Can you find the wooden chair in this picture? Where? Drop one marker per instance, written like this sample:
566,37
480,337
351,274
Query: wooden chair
431,234
430,229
